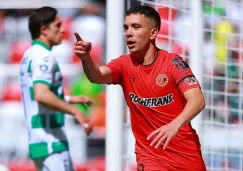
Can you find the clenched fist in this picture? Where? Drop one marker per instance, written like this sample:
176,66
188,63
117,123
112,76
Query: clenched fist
82,48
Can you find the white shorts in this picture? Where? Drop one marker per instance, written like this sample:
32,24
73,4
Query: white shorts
56,161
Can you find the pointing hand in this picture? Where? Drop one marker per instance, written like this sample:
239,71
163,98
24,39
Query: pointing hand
81,48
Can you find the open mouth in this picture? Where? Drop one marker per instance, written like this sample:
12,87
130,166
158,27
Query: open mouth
131,44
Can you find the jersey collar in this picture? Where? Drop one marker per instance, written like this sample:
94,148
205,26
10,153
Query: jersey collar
38,42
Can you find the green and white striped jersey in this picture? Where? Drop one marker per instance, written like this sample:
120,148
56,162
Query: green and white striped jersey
45,126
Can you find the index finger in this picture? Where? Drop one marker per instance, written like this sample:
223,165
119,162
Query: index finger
78,38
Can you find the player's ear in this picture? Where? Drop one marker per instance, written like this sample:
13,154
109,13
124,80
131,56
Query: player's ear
43,30
154,33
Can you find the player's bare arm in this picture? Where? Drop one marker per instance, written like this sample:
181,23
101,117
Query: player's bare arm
195,103
95,74
45,96
80,99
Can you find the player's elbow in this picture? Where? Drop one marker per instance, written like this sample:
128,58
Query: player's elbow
95,81
201,103
39,97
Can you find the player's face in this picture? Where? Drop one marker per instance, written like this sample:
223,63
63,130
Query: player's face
138,29
55,31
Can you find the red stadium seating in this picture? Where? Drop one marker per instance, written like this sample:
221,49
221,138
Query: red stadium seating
21,166
17,50
67,22
96,164
11,92
166,21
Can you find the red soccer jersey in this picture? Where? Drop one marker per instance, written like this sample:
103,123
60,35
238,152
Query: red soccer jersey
154,94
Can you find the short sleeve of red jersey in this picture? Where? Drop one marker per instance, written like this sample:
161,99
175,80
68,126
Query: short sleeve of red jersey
182,74
116,68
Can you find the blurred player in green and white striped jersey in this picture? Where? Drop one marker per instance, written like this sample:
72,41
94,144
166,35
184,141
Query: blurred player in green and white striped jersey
42,94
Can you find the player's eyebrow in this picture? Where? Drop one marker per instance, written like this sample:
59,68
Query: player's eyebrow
133,25
136,25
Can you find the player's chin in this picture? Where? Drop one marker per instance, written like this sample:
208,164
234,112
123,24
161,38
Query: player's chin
132,50
58,41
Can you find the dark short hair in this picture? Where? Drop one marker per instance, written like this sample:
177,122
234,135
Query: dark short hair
41,17
147,11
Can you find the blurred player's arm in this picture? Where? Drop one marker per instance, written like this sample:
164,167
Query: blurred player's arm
96,74
79,99
46,97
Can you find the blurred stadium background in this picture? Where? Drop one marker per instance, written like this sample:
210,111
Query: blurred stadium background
206,33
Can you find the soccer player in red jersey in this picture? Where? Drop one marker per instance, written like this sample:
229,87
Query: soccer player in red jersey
161,91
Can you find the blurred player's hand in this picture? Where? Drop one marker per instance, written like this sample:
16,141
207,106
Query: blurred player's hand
83,100
81,48
164,133
84,122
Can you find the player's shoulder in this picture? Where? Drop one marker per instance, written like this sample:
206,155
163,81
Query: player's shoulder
123,58
40,49
168,56
27,52
37,52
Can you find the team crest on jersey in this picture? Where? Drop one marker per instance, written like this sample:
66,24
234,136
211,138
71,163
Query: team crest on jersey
191,80
162,80
43,68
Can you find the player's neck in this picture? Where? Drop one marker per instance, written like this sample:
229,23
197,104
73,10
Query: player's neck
148,57
45,40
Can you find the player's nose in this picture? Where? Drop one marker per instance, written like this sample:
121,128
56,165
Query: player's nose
63,30
128,32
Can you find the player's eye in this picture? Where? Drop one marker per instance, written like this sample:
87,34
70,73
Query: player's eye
125,27
59,25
